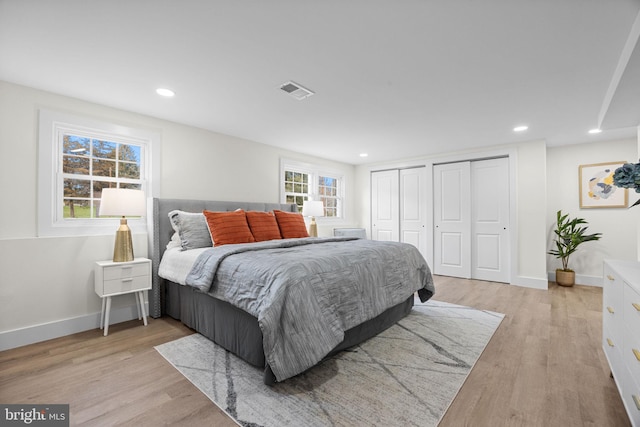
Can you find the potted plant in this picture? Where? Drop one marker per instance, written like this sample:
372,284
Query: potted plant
570,233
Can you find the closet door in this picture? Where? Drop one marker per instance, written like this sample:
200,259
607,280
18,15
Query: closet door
452,221
490,220
471,220
413,208
385,205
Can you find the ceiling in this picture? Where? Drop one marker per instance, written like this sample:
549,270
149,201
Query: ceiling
392,79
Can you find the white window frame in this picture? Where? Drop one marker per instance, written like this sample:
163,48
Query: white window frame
52,125
314,172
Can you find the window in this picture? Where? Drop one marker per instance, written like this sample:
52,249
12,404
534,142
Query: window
78,158
89,165
302,182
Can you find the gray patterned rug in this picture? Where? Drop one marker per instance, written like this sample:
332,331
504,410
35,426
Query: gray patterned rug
407,375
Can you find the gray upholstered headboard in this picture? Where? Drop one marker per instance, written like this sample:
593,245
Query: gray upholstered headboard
162,232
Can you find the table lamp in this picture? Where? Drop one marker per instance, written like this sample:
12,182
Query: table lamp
313,208
122,202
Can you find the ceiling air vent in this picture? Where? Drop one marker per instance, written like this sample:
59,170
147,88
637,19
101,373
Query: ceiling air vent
296,91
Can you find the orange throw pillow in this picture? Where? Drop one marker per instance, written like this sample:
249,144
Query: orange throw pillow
228,227
263,226
291,224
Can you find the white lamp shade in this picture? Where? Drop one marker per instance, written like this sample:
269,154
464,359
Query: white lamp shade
122,202
312,208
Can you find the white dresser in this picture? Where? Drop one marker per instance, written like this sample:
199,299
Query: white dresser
621,330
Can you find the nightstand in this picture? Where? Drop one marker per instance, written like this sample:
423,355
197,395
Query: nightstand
119,278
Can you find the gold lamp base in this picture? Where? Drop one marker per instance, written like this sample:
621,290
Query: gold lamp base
123,249
313,228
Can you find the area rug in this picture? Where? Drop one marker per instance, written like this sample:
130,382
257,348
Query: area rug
407,375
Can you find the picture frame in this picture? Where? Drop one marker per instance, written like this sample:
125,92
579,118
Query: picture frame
597,189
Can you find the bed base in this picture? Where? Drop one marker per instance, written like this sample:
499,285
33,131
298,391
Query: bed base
239,332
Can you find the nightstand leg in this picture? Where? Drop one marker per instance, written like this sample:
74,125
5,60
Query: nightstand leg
144,312
104,301
106,317
138,305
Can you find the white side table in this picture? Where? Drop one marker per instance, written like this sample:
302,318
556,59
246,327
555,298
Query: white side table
119,278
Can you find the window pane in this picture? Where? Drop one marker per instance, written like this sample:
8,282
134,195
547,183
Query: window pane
76,188
99,185
76,209
129,153
75,165
76,145
131,186
291,199
288,187
328,181
297,188
104,149
104,168
288,176
128,170
305,188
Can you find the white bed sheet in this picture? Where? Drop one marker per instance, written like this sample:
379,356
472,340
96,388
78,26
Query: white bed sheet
176,263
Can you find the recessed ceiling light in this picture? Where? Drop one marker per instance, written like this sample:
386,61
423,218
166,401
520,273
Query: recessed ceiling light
363,155
165,92
520,128
594,131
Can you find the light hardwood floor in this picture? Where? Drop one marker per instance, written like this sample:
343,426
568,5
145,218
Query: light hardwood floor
543,367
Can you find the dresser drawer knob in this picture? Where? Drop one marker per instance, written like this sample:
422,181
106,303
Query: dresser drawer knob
636,353
636,305
130,279
610,342
610,310
610,277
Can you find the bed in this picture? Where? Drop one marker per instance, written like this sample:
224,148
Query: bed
242,327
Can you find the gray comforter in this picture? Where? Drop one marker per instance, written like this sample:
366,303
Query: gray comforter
306,292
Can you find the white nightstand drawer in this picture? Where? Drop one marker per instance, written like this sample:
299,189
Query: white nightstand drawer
126,285
126,271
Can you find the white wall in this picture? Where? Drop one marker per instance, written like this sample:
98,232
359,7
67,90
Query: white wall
618,226
46,284
529,160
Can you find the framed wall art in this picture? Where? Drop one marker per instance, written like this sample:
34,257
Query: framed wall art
597,189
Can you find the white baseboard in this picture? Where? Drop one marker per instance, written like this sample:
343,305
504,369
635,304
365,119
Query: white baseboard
60,328
581,279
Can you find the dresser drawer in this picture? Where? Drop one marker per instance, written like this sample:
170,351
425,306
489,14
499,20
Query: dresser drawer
126,285
631,399
613,351
612,292
631,309
126,271
613,324
631,352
